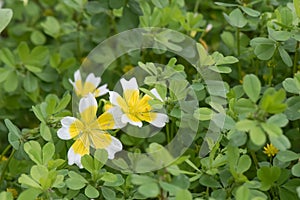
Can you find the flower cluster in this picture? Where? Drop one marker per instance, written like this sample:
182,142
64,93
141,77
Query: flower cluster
90,131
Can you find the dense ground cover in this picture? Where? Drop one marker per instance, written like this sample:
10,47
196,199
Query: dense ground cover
204,106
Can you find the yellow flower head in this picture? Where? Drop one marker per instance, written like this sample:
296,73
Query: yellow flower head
136,108
13,191
127,68
270,150
90,85
3,158
90,131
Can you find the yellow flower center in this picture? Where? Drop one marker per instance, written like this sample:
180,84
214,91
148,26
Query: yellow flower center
270,150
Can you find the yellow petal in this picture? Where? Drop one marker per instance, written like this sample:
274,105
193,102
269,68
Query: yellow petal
100,140
88,108
106,121
131,97
71,127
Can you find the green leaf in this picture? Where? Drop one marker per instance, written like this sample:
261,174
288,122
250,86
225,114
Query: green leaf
282,142
5,16
11,83
236,18
109,177
204,58
268,175
221,69
4,72
244,164
108,193
149,190
287,156
88,163
285,56
279,35
39,173
23,52
296,170
33,149
51,26
173,189
63,103
183,194
297,9
91,192
226,4
221,60
264,48
203,114
160,3
116,4
30,83
30,194
284,16
242,193
278,119
34,68
14,134
37,38
48,152
141,179
245,125
27,181
291,85
250,11
76,181
6,196
45,132
7,57
257,136
272,100
38,113
209,181
101,155
39,56
252,87
244,106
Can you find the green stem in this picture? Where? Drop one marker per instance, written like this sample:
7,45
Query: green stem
6,165
295,66
238,53
196,6
253,155
168,131
4,151
270,76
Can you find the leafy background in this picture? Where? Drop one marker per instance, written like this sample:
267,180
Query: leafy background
253,44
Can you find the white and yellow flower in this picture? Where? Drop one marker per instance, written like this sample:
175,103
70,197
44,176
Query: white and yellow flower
136,108
88,86
90,131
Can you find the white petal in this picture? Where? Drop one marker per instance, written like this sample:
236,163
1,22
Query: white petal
114,147
64,133
160,120
67,121
113,98
77,75
125,120
91,78
74,158
155,93
86,102
129,85
102,90
117,115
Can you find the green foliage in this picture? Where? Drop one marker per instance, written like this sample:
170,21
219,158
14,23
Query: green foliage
252,45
